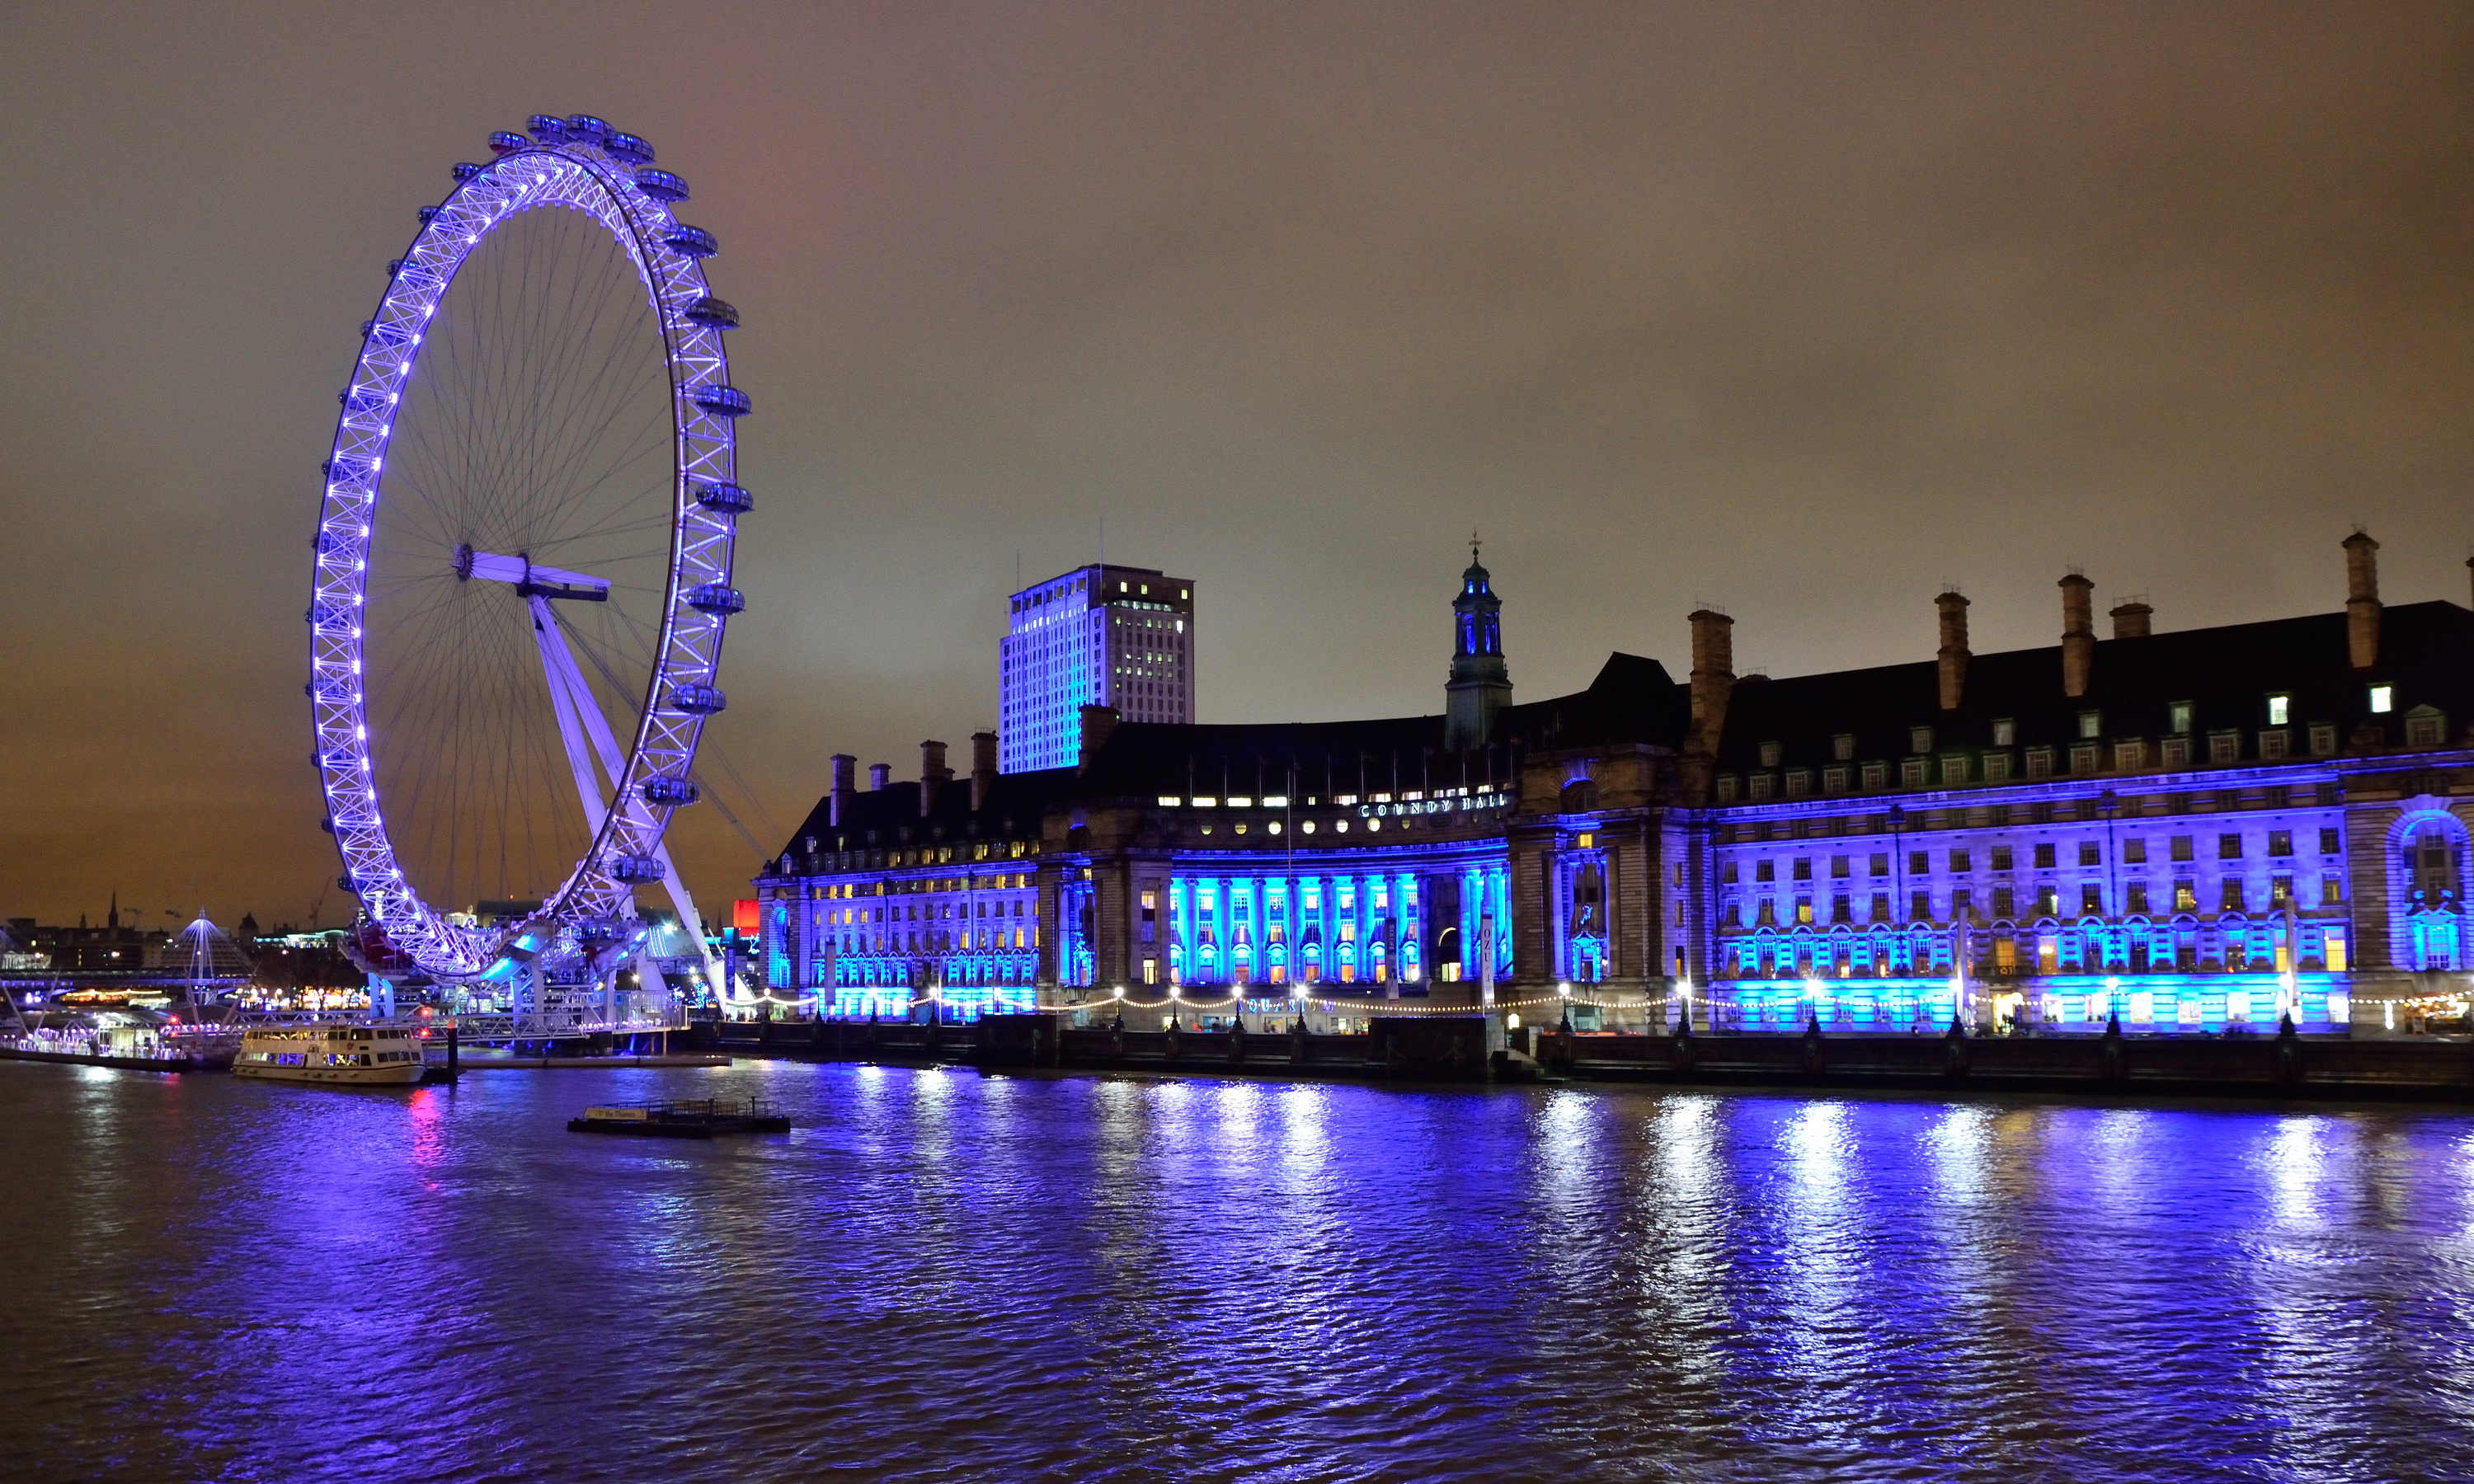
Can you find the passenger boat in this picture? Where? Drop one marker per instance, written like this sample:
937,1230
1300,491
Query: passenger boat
363,1055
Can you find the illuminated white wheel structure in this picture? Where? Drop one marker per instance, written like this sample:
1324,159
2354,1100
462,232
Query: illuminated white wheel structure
523,570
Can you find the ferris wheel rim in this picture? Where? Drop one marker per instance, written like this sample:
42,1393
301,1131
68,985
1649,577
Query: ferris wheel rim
680,690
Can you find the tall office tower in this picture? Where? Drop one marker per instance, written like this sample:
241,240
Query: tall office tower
1118,637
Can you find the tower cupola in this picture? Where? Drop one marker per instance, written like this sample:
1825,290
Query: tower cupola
1480,685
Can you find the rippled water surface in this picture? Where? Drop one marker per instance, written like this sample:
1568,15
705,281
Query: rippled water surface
942,1275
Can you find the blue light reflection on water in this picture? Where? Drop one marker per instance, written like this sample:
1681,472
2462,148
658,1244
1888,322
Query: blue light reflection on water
946,1275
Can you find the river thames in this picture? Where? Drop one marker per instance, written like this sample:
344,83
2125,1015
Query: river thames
950,1276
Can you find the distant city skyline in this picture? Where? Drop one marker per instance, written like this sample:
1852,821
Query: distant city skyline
1807,314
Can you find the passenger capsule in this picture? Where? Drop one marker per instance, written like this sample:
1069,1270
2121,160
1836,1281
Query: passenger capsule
505,143
692,241
546,128
661,185
719,599
585,128
629,148
330,617
724,402
395,266
345,883
361,401
635,868
699,700
714,314
725,499
428,214
672,791
466,171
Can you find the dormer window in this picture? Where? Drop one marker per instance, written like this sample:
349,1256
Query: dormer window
2090,724
2006,733
1920,740
2177,714
2280,711
2382,700
1769,755
1842,747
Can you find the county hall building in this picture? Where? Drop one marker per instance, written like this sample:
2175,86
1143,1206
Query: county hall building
2186,830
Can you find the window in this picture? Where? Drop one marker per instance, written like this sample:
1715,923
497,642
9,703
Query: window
1798,782
1804,868
2177,716
2280,842
1920,740
2186,895
2006,733
1769,755
1838,867
2425,728
2181,847
1834,781
2275,744
2224,747
2230,896
1920,907
1876,775
2128,756
2090,724
2091,899
1959,862
2280,711
2331,894
2091,853
2001,901
2280,891
2177,751
1997,767
1727,788
1765,870
2135,897
2083,757
2040,762
2049,901
2382,700
1911,773
1764,785
1919,863
2000,857
2329,844
2229,847
2134,851
2323,739
2044,856
1803,909
1843,746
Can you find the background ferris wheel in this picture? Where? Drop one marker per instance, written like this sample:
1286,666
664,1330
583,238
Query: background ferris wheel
523,560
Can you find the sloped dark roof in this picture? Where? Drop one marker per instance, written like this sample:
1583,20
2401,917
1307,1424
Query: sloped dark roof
1632,699
1016,805
2426,651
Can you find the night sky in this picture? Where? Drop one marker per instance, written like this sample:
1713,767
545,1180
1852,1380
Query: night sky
1801,310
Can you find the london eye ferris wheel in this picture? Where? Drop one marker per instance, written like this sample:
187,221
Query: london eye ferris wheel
524,565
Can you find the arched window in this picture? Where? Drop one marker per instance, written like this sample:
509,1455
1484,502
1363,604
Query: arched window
2430,867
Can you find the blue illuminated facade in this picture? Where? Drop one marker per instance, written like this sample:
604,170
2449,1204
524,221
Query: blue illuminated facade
2183,832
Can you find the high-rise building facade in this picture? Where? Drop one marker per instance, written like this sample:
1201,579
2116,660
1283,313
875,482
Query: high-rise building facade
1118,637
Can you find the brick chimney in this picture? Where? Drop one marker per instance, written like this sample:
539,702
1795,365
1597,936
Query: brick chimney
2078,633
1097,722
934,775
2362,600
879,777
983,768
1713,677
2130,620
845,769
1952,607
